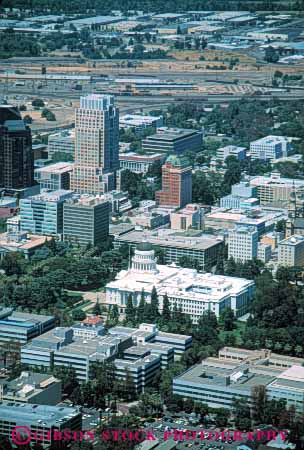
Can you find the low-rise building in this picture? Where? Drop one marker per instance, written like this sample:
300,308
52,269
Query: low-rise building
21,242
231,150
60,347
192,216
276,190
148,333
44,419
200,247
270,147
139,122
91,327
193,292
61,143
173,140
54,176
142,371
22,327
236,372
32,387
139,163
291,251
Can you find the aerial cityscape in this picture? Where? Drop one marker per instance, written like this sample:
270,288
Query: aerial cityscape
151,225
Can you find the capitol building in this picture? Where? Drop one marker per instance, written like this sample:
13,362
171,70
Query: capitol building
188,289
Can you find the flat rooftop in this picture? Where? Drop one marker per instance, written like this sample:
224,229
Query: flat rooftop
57,168
172,134
28,414
167,238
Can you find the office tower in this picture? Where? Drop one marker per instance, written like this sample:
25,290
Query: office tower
176,183
86,220
243,244
43,213
54,176
16,158
173,140
96,145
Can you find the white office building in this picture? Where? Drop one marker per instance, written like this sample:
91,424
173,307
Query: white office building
270,147
243,243
139,123
187,289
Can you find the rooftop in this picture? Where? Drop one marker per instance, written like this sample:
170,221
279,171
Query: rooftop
292,240
26,414
57,168
172,134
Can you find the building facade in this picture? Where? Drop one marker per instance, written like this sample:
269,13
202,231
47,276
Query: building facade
43,419
16,157
236,372
96,145
231,150
291,251
22,327
54,176
139,163
176,183
86,220
276,190
270,147
61,143
243,243
43,213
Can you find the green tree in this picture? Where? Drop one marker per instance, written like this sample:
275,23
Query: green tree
154,305
130,311
141,308
166,313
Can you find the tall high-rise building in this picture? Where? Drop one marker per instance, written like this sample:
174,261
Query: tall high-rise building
16,157
176,182
96,145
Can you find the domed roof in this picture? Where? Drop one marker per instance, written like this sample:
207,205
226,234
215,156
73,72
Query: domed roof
144,246
177,160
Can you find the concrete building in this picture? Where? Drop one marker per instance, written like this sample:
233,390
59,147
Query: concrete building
139,163
200,247
16,157
63,142
61,347
276,190
119,201
219,381
270,147
291,251
187,289
96,145
86,220
173,140
147,334
22,327
264,252
192,216
149,217
21,242
31,387
243,244
142,371
139,122
89,328
54,176
176,183
231,150
44,419
165,351
43,213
